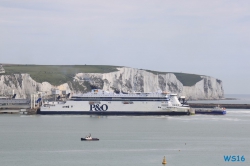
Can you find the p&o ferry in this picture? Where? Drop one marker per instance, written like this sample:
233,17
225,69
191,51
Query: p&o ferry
100,102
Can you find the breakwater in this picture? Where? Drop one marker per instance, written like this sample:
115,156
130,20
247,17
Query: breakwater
209,105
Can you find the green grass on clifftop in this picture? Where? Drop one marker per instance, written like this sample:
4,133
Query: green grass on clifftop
59,74
188,79
185,78
56,74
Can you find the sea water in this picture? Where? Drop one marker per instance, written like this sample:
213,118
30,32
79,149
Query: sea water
54,140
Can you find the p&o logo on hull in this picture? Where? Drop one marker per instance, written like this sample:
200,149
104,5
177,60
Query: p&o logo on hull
97,107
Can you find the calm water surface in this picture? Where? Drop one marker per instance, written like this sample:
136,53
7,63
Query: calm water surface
47,140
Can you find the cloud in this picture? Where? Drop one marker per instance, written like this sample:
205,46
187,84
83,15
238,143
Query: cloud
158,35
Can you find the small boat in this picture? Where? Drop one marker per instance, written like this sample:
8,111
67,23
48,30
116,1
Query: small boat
89,138
214,111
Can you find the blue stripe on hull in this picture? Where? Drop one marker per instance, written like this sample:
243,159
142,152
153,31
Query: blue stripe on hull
110,113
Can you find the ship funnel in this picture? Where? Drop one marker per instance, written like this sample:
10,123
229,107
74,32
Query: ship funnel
183,99
174,100
14,96
68,95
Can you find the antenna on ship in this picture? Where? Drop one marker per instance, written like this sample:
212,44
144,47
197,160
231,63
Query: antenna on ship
144,81
157,81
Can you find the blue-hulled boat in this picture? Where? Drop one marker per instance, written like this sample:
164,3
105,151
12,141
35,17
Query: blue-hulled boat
214,111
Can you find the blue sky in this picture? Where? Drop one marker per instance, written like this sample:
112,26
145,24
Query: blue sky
200,37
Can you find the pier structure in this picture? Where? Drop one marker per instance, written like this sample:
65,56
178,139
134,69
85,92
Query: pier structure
227,106
22,106
11,103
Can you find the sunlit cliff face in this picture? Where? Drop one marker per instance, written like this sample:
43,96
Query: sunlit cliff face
130,79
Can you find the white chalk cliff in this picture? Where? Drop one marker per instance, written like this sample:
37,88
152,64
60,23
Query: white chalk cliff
2,69
125,79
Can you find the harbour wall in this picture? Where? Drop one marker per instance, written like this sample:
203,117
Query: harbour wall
229,106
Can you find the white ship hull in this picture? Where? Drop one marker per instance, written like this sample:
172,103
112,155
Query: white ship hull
100,103
114,107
